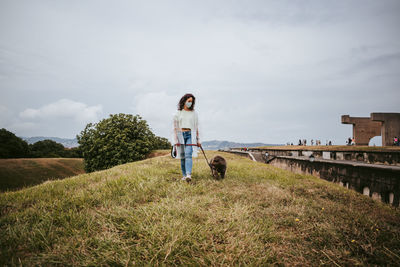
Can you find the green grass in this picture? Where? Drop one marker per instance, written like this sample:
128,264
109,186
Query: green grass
18,173
142,214
21,173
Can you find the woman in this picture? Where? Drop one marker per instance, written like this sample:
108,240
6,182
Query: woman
186,134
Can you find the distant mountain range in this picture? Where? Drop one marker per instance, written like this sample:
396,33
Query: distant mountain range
207,145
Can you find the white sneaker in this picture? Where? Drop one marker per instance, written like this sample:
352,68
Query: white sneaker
183,178
188,178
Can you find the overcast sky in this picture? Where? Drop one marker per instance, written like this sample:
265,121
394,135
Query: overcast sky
261,71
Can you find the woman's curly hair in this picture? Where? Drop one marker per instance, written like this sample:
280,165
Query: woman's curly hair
183,101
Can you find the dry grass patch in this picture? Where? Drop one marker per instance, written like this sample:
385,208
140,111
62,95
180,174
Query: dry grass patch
19,173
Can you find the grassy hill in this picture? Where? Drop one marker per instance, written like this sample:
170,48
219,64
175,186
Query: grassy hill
142,214
19,173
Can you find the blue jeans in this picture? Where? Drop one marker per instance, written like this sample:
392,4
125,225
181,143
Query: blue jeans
187,162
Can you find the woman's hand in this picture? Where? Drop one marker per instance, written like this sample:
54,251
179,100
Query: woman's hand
198,144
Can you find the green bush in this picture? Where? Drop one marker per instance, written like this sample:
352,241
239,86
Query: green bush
47,149
12,146
119,139
74,152
161,143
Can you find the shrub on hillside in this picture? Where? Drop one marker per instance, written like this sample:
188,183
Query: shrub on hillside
12,146
47,149
161,143
73,152
119,139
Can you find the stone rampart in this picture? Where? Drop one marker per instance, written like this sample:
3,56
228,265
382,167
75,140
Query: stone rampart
375,173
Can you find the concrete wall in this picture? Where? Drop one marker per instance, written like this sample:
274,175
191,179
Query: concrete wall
350,169
363,129
390,126
386,125
379,183
371,157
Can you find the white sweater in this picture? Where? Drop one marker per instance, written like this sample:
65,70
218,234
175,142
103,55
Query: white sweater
187,119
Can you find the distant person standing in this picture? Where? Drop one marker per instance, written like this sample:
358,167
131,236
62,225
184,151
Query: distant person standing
186,134
396,141
349,141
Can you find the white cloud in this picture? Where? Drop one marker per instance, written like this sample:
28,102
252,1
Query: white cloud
3,114
64,108
269,71
23,128
63,118
14,125
157,108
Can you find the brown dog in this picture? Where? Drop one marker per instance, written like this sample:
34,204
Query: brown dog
218,167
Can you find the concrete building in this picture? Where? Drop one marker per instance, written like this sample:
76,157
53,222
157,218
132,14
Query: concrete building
386,125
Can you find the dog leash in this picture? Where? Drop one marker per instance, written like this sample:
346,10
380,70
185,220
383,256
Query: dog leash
209,165
206,157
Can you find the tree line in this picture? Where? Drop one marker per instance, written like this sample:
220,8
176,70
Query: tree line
12,146
119,139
